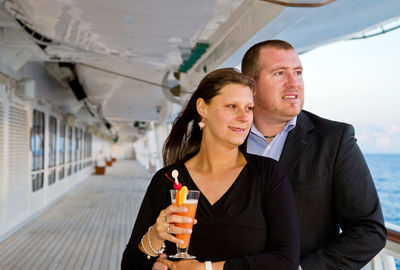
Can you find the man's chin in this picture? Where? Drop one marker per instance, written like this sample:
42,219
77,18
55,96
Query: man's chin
292,113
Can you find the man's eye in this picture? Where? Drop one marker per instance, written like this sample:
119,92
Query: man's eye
250,108
231,106
278,73
299,72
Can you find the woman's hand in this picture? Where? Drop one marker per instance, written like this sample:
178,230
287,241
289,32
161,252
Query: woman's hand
159,265
164,226
164,264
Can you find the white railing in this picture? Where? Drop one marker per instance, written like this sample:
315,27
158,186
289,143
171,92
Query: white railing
385,259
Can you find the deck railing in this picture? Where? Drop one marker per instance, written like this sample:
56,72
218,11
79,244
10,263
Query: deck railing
385,260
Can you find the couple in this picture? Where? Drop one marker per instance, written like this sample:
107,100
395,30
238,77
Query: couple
246,217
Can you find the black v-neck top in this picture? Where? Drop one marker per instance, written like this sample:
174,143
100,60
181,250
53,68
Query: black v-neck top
252,226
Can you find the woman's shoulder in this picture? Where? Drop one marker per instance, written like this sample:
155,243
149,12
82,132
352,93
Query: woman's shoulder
261,162
265,169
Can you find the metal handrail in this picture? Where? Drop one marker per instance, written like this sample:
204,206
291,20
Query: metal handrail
393,235
385,260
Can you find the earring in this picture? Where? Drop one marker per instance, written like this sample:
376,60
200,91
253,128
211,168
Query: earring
201,124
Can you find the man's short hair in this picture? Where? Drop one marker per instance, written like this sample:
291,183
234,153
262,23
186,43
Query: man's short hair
250,64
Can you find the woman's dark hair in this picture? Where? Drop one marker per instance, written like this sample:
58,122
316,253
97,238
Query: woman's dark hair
185,136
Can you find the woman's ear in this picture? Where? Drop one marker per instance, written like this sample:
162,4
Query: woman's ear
201,106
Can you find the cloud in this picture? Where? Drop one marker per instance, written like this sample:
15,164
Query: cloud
383,142
394,129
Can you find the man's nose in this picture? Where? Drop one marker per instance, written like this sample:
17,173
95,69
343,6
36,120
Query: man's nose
292,79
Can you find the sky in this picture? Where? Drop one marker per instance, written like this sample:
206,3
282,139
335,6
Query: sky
358,82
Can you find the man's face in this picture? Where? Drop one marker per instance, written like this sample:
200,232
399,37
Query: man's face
279,93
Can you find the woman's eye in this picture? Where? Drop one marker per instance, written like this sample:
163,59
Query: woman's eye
250,108
231,106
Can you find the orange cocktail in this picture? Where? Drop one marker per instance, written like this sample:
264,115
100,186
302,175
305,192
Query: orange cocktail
190,203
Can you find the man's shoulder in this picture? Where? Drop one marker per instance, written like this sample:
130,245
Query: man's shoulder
320,122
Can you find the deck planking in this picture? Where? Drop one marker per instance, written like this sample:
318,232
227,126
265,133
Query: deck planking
86,229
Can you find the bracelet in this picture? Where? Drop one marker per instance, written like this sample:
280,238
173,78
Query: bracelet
148,253
158,252
208,265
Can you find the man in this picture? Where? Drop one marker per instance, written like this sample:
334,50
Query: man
340,218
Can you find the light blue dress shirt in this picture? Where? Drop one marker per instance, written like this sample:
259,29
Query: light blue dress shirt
258,145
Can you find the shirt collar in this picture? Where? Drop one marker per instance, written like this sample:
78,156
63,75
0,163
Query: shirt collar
291,124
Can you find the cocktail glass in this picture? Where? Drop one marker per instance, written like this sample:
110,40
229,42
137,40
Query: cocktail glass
190,203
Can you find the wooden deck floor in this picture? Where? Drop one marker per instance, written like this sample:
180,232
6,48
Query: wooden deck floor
86,229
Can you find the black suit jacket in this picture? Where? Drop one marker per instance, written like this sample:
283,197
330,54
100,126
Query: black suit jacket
340,218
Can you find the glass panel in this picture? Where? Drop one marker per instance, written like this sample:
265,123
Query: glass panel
52,141
61,149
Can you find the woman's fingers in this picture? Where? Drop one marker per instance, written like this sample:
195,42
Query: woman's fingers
159,265
179,230
173,239
164,261
182,264
164,227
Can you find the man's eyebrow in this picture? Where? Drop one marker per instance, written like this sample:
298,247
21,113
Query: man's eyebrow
285,67
279,67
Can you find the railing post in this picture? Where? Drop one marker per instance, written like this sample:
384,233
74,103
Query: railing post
376,263
388,262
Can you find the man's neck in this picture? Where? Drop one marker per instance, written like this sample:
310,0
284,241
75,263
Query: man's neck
268,128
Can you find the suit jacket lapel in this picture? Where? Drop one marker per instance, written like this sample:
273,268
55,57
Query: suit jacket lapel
297,142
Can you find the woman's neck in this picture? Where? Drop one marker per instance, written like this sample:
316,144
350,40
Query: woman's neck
213,159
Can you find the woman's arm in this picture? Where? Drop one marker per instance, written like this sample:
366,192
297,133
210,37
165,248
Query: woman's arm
155,216
153,202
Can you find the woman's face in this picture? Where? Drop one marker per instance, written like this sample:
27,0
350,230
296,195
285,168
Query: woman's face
228,115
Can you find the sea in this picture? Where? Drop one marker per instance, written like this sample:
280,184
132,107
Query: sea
385,170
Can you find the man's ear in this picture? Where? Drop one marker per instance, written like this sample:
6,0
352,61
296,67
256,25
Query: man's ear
201,106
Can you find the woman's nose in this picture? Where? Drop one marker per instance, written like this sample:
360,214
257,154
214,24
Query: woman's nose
243,115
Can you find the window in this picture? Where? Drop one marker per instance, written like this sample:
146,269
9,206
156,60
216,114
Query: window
88,148
52,149
69,160
37,147
77,147
61,151
81,148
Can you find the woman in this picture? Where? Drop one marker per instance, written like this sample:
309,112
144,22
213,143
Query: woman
246,215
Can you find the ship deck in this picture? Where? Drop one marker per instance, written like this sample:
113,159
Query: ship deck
87,228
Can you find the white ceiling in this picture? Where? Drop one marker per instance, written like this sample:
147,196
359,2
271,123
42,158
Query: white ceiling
123,49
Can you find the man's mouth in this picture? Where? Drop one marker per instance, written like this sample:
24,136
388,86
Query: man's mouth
290,97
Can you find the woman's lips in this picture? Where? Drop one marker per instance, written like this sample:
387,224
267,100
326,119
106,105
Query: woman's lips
238,130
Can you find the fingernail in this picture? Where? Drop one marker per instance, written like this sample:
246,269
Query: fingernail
181,242
189,231
189,220
184,209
